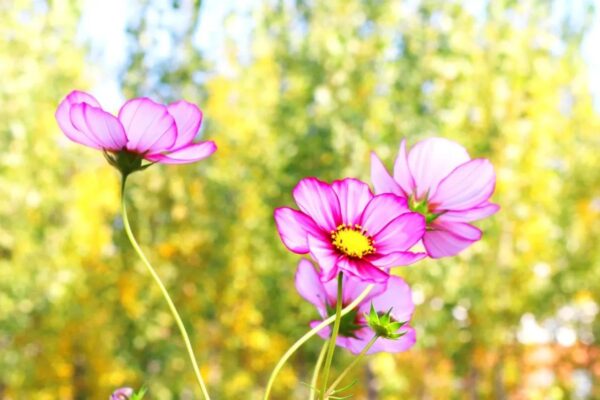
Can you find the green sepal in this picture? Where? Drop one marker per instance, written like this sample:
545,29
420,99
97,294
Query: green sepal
348,325
139,395
126,162
422,207
383,324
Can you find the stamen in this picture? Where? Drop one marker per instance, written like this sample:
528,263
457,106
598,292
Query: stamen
352,240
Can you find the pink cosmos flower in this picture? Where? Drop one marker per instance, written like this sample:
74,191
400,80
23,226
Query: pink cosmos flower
122,394
354,333
440,181
143,129
345,227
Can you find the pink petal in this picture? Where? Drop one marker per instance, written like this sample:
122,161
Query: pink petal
402,173
396,259
361,338
345,342
399,345
466,187
124,393
400,234
325,332
63,118
309,285
449,238
352,287
353,196
318,200
188,118
431,160
382,181
352,344
324,254
472,214
381,210
363,270
397,297
188,154
149,126
99,126
294,228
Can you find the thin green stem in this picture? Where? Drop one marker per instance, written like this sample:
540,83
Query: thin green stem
356,360
334,333
315,378
307,336
163,290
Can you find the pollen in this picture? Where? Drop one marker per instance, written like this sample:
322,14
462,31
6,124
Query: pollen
352,240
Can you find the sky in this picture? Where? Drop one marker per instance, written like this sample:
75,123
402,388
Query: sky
108,51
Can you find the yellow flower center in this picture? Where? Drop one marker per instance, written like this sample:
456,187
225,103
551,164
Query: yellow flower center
353,241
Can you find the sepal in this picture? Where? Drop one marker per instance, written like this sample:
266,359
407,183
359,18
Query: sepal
126,162
383,325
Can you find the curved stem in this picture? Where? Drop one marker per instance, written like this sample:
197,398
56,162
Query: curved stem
350,366
307,336
334,333
163,290
315,378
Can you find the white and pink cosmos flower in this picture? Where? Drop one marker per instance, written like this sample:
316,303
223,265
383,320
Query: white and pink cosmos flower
440,181
346,228
354,333
143,128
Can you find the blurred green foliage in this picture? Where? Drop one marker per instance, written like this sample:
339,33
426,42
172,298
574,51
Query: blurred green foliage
321,84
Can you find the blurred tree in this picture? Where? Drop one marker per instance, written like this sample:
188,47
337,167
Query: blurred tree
52,236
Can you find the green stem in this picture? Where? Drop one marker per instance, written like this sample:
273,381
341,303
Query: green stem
349,367
334,333
307,336
163,290
315,378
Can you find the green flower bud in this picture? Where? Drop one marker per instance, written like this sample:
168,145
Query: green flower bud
384,325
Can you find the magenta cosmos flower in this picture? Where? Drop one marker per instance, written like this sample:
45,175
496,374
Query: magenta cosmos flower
122,394
345,227
354,333
143,130
440,181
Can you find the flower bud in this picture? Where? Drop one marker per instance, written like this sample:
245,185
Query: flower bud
384,325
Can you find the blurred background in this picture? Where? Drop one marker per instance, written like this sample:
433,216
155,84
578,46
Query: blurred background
291,88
